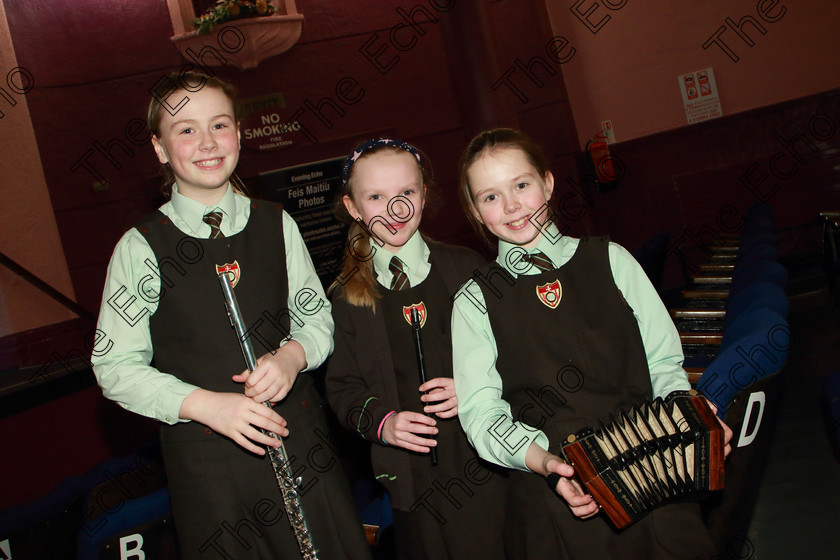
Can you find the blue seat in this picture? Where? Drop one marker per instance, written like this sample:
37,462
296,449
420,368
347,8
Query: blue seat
748,309
764,271
758,318
46,527
110,486
759,208
651,256
762,235
752,418
144,523
374,506
757,294
756,253
759,353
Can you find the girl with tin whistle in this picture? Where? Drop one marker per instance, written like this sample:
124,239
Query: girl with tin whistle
451,510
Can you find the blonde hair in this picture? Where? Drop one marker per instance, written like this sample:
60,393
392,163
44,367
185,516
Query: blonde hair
357,280
486,142
191,82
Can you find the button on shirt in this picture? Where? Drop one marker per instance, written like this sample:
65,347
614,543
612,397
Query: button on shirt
124,372
478,383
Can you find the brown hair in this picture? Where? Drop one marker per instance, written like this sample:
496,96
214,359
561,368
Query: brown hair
191,82
357,280
486,142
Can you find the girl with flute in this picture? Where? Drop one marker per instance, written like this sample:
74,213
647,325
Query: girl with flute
162,302
451,509
555,335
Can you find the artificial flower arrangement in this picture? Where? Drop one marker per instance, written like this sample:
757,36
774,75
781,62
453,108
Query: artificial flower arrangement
227,10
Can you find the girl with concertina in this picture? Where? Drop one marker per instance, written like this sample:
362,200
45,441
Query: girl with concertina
452,510
555,335
175,357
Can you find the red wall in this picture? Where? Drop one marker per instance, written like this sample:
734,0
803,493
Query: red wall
94,61
92,77
629,56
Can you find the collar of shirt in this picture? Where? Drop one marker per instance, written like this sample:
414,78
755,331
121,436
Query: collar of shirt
414,255
556,246
187,214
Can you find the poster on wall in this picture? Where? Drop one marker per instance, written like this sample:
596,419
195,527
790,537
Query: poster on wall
700,96
308,193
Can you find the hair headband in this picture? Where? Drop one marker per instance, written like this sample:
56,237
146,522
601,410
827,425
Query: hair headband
376,143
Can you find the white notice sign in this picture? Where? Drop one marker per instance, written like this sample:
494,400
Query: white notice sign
700,96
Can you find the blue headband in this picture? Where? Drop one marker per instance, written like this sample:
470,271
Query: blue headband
375,143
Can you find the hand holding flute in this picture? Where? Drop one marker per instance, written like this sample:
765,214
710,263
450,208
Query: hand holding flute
277,453
274,373
236,416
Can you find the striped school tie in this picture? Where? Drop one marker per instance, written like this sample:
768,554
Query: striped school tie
399,279
538,259
214,220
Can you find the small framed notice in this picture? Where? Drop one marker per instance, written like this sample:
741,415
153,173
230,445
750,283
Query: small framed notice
700,96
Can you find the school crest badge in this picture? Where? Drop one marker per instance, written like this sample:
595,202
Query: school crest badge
550,294
232,271
421,309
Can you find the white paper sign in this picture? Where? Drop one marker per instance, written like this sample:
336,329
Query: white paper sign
700,96
608,132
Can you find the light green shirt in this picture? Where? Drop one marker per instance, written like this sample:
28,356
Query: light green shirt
124,372
414,255
478,383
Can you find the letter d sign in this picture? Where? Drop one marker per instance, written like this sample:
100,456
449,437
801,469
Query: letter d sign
756,398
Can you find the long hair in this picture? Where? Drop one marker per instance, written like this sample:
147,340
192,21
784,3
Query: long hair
487,142
189,82
357,279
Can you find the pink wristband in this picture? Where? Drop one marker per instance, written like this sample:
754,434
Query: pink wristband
379,431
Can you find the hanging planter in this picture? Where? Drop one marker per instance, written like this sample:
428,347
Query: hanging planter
241,33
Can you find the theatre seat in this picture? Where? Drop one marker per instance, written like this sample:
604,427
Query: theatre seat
749,309
758,354
752,415
374,506
139,528
651,256
44,528
120,495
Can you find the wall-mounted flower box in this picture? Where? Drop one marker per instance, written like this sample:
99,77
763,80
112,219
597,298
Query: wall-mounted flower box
242,42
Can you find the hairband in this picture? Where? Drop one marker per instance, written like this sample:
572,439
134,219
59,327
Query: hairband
375,143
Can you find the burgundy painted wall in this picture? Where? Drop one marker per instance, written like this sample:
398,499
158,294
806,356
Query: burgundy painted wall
94,61
629,56
92,75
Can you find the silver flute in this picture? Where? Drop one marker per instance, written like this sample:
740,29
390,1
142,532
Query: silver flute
289,485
